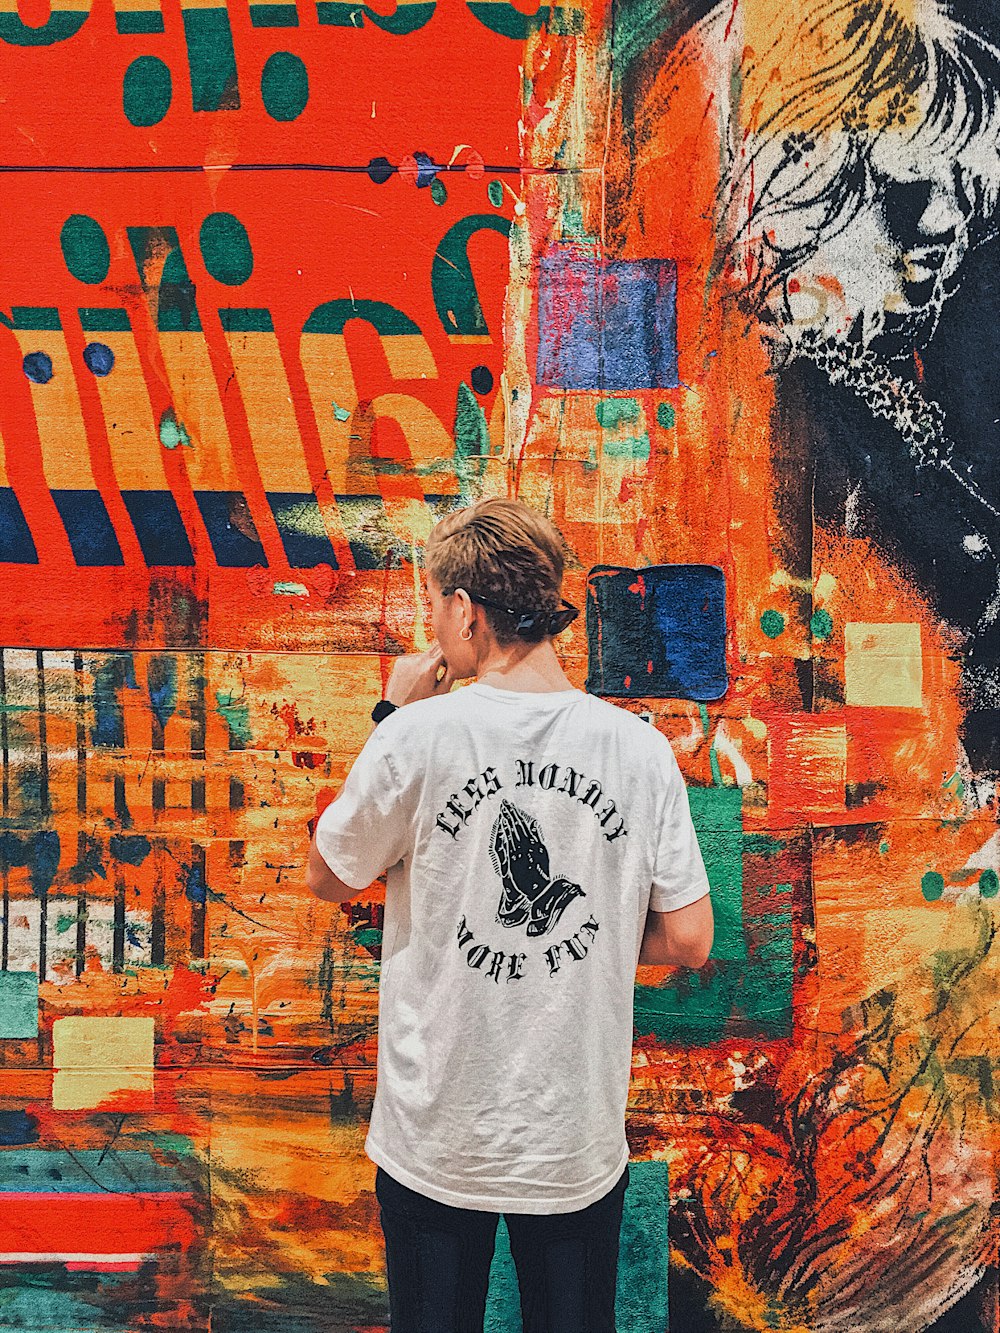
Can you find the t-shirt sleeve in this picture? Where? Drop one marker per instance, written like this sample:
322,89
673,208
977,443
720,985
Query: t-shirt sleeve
679,875
366,829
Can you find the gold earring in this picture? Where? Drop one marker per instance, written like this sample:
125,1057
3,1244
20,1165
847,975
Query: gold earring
466,633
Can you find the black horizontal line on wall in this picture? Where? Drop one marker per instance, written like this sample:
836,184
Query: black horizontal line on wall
494,169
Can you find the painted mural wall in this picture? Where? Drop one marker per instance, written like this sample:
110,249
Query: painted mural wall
714,286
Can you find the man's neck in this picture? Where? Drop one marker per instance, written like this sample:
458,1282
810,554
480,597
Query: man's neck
534,672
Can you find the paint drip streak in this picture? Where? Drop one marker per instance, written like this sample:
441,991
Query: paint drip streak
122,814
198,907
80,948
4,738
118,929
43,738
158,921
237,801
198,725
158,795
45,811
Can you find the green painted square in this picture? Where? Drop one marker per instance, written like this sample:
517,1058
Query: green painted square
746,988
717,813
18,1005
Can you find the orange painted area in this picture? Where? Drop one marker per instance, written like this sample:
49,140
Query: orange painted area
178,729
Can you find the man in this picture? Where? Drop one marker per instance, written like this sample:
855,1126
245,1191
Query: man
539,845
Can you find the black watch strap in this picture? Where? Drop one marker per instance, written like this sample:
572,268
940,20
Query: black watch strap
382,709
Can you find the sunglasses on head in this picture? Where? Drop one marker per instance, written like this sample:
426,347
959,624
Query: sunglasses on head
551,622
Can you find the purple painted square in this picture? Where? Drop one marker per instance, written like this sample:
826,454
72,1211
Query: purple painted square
606,324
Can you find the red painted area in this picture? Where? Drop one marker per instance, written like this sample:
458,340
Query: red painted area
98,1224
316,236
451,74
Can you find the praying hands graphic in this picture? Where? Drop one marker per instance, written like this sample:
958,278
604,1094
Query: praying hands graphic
521,859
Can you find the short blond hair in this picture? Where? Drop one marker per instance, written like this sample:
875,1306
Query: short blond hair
503,550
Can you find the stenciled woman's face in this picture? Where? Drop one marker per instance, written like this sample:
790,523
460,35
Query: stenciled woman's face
883,277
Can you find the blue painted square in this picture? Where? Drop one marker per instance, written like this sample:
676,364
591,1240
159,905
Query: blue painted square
657,633
18,1005
606,324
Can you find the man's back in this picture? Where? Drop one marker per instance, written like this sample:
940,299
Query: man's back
529,833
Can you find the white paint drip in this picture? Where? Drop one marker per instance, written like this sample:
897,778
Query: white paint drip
725,745
851,516
987,857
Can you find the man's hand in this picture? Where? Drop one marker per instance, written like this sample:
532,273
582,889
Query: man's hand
419,676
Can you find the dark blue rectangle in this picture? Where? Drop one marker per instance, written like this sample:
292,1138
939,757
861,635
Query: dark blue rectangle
231,529
657,633
139,21
91,537
274,16
16,544
301,528
159,527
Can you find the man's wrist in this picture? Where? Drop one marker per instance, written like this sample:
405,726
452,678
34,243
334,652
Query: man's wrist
382,710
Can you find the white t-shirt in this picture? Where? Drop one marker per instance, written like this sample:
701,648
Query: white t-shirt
526,834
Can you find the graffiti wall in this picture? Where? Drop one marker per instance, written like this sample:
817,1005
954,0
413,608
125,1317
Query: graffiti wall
715,287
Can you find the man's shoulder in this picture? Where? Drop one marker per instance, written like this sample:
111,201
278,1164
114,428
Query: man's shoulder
423,713
634,725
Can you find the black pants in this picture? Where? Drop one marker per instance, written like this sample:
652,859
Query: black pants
438,1262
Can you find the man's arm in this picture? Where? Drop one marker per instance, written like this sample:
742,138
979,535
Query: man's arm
323,882
682,938
417,676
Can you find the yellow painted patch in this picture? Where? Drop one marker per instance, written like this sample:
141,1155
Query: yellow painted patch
97,1059
883,667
